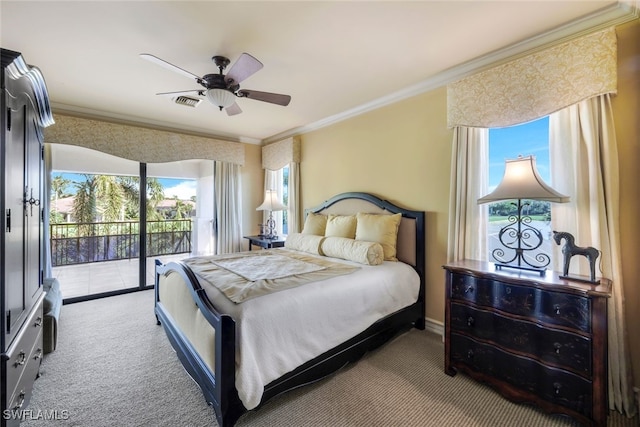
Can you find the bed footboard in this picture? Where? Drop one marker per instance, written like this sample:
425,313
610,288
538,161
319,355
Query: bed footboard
214,374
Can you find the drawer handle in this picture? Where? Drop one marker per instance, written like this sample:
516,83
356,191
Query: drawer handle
38,322
556,307
38,355
20,401
557,387
22,358
557,347
470,354
470,321
468,290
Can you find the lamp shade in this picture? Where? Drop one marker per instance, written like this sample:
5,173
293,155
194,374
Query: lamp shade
271,202
221,97
521,181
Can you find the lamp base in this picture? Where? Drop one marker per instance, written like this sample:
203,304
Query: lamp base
541,271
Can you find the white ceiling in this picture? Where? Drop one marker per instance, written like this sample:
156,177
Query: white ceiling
334,58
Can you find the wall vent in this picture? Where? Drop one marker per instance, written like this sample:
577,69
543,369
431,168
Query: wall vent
188,101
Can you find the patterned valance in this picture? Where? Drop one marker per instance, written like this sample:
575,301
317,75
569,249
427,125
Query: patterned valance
279,154
536,85
140,144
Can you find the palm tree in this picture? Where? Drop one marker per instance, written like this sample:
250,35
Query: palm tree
115,198
59,185
181,209
84,204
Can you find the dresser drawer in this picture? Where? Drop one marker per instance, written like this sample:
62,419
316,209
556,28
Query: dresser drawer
20,351
553,385
560,348
554,308
21,393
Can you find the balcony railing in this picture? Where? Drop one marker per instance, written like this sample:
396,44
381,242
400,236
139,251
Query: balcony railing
80,243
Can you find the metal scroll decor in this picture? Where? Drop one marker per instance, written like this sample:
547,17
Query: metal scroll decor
523,239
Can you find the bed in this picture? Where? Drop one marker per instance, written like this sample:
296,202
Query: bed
244,353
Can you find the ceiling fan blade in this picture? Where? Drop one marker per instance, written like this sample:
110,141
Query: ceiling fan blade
274,98
199,91
233,109
169,66
245,66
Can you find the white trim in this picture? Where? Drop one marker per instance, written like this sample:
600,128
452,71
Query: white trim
610,16
434,326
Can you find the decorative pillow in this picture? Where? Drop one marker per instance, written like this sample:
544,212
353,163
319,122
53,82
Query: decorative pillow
341,226
304,242
369,253
315,224
380,228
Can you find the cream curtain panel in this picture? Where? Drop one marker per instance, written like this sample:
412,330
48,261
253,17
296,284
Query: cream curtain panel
227,207
140,144
584,164
536,85
294,211
469,182
275,157
273,180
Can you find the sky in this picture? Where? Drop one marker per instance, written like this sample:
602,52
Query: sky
527,139
183,188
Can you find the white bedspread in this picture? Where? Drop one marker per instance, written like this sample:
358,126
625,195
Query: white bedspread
278,332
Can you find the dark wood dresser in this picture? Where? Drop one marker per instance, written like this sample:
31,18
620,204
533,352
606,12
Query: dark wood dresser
541,340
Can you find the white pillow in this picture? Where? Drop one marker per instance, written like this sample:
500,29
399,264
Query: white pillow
341,226
315,224
309,243
369,253
382,229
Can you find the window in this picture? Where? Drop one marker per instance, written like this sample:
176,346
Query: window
531,138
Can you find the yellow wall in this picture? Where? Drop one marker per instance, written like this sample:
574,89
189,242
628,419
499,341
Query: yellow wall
252,176
403,152
400,152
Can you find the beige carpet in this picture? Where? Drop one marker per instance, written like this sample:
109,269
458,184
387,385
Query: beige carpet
114,367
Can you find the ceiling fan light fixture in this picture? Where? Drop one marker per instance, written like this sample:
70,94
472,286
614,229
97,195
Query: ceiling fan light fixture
221,97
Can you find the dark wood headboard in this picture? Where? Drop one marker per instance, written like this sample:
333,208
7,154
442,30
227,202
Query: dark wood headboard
411,233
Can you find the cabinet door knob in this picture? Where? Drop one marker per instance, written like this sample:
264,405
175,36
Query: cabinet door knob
470,321
557,387
22,358
557,346
20,401
556,308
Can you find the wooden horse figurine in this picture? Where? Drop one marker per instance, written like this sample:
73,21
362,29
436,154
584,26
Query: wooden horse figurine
570,249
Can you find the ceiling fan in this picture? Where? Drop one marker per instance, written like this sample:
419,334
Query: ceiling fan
220,89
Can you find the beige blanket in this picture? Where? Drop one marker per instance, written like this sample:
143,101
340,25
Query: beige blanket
245,275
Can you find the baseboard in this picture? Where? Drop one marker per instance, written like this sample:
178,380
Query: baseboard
434,326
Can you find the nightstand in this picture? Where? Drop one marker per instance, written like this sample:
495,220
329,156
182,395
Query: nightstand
264,242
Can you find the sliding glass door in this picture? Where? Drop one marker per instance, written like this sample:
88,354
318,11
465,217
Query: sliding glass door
181,224
94,220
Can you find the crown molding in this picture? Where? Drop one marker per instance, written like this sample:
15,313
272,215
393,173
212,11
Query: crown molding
614,15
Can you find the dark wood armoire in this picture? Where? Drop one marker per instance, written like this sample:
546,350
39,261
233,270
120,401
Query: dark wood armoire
25,112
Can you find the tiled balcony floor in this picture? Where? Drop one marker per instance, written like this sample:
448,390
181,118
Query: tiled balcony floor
86,279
